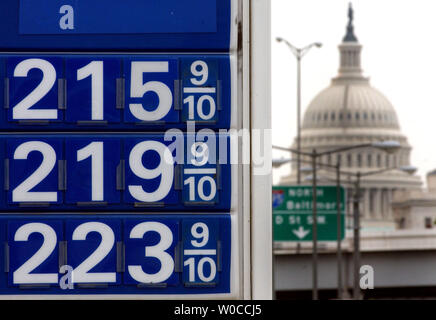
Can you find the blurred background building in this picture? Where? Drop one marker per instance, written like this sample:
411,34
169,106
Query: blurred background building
416,209
350,112
398,215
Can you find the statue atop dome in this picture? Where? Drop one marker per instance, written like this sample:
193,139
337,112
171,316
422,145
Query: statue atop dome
350,37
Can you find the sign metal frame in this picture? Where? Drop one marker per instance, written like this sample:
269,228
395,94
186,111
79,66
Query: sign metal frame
251,220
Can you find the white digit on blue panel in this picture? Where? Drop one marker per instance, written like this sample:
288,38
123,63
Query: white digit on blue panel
95,70
203,234
212,273
21,193
22,109
200,107
138,89
81,273
165,169
190,263
200,158
156,251
191,185
95,151
203,72
23,274
190,100
212,185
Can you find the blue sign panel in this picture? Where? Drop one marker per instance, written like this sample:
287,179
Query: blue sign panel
33,170
113,172
201,90
103,16
160,238
115,92
91,171
35,247
92,250
118,254
201,252
33,92
114,149
90,90
116,25
152,84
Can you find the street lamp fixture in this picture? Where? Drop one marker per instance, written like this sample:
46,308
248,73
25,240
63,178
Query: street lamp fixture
279,162
389,146
299,53
409,169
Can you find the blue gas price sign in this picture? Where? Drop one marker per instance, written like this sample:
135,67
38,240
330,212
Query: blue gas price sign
113,92
160,172
118,122
117,254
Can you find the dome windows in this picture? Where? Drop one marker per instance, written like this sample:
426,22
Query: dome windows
369,160
334,117
349,160
359,160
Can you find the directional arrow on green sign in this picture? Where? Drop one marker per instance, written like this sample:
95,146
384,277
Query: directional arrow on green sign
300,232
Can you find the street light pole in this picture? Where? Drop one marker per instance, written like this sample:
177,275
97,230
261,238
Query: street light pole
299,53
339,229
298,116
356,216
314,232
338,218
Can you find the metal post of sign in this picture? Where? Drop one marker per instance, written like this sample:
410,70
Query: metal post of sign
299,116
339,229
356,216
314,232
261,182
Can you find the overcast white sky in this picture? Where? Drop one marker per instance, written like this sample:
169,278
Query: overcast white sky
399,56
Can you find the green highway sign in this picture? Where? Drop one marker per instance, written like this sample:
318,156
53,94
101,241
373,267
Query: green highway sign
292,213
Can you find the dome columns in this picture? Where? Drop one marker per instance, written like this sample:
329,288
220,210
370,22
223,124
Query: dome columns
350,62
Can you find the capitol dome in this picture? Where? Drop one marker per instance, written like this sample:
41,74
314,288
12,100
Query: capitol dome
346,104
351,112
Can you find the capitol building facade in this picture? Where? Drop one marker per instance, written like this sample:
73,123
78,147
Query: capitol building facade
350,112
